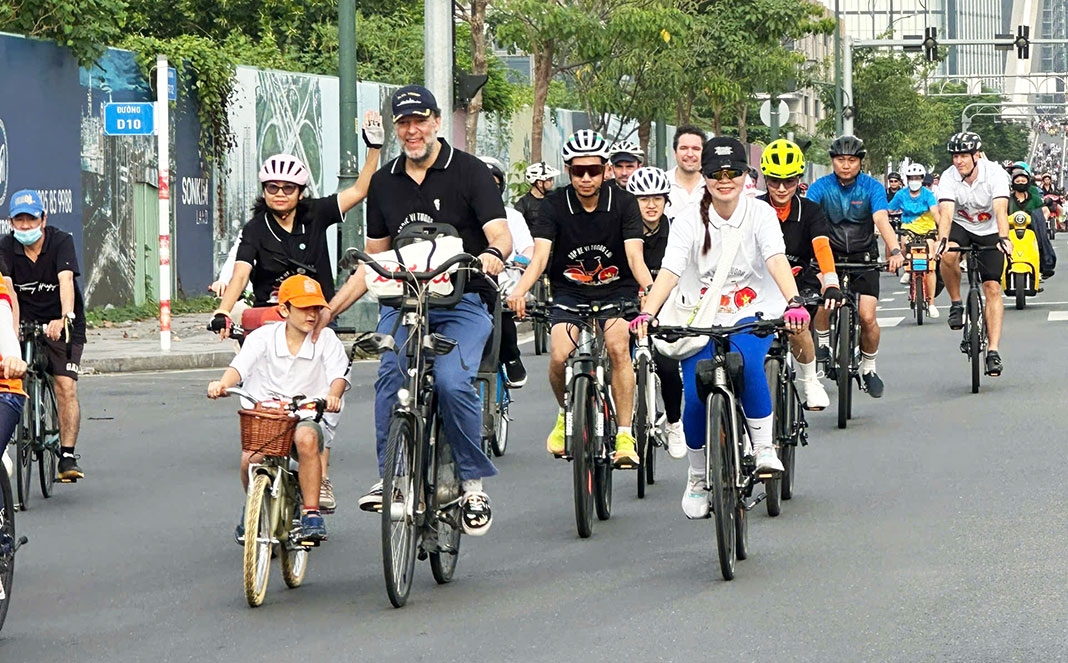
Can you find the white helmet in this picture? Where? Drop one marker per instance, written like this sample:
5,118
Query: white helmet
585,143
649,181
284,168
627,147
915,170
539,171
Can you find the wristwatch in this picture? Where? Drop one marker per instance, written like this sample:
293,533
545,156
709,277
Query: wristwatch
895,252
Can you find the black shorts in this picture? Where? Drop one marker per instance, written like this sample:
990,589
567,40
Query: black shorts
58,361
559,315
991,263
862,283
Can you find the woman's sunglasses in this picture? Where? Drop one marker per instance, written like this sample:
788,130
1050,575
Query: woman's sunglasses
288,188
729,173
776,183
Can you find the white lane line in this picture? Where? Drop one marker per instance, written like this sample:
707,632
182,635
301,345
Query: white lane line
887,310
1057,316
889,322
886,299
898,292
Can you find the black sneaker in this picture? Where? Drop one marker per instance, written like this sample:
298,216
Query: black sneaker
68,469
993,364
823,361
515,374
312,527
873,384
477,517
956,315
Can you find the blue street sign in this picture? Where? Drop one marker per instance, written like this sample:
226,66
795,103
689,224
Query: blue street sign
172,84
126,119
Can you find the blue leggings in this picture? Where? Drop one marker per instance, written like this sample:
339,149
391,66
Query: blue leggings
755,398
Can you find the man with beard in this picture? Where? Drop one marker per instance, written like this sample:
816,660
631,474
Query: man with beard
687,184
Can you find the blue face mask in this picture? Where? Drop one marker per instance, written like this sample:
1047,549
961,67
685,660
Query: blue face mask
27,237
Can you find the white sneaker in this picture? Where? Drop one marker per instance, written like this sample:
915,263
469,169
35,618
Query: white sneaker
813,395
904,278
676,440
932,311
767,461
695,498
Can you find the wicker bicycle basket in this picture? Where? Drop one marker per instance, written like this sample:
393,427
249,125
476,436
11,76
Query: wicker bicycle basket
267,431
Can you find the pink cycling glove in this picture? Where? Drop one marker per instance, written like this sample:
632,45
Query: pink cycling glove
796,316
638,321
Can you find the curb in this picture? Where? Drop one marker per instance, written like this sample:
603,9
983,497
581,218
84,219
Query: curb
159,362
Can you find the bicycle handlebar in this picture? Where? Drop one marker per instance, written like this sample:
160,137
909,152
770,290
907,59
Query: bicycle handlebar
295,403
861,266
599,310
757,327
353,256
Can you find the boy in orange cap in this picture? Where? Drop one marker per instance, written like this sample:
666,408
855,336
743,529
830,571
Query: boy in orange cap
278,361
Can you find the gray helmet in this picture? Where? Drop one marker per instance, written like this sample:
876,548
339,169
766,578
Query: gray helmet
847,146
964,142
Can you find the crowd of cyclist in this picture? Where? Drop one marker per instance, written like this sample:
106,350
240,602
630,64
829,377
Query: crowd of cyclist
619,229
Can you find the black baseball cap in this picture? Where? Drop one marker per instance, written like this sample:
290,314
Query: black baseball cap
723,152
414,100
894,176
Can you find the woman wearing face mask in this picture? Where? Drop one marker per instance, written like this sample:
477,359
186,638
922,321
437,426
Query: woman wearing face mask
919,215
759,282
1026,197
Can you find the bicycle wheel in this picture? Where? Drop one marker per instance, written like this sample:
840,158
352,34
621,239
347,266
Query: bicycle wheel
844,359
489,418
720,444
24,457
447,489
602,476
789,445
294,557
773,374
741,530
975,319
400,491
7,543
581,447
504,398
642,424
540,326
919,295
258,540
46,462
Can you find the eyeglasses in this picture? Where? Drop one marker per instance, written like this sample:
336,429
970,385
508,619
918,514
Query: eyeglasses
777,183
730,173
593,171
288,188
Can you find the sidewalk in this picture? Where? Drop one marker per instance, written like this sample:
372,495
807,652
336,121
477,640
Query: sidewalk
134,346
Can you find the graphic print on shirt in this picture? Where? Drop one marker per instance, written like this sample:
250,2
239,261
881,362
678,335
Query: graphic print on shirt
981,217
586,266
737,294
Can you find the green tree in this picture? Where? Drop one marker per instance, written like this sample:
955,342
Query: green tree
86,27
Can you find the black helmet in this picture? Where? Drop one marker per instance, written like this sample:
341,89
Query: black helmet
847,146
964,142
894,176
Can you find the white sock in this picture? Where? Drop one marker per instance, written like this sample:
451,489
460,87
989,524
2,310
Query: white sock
697,461
823,338
471,485
807,371
562,413
625,429
867,362
760,432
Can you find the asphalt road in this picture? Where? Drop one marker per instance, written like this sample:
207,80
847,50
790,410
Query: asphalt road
933,529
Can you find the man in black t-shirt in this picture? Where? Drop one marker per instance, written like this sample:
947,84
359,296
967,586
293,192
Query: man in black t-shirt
594,235
432,182
40,267
540,176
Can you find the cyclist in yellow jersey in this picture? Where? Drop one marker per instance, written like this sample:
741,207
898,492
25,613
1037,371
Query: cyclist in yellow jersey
919,215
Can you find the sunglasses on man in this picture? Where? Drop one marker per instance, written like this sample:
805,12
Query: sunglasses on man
580,171
288,188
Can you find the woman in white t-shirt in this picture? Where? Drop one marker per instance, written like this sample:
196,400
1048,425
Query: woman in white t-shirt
759,282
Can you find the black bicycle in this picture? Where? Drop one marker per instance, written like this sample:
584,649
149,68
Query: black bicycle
541,325
421,492
650,420
730,466
9,544
789,425
974,343
844,365
36,437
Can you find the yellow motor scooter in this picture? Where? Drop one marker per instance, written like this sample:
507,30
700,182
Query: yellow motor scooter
1020,279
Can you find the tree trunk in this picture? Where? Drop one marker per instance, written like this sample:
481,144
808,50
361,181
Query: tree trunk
645,127
543,67
742,111
478,66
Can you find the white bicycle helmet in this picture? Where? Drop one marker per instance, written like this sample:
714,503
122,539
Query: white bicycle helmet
915,170
539,171
284,168
649,181
585,143
497,168
627,147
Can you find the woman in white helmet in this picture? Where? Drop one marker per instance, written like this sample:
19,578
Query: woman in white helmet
919,215
541,177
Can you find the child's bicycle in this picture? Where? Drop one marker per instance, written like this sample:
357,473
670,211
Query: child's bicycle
272,506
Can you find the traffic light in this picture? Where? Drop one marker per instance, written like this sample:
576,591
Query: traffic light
1023,41
930,44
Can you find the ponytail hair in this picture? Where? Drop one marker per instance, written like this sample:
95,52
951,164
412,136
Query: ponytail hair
706,202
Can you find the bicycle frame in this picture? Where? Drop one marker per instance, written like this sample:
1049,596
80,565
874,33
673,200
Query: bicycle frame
589,362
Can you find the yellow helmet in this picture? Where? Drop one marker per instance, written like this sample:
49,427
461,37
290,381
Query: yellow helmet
782,159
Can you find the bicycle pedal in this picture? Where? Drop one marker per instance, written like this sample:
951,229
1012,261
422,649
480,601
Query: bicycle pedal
58,480
422,555
767,476
309,544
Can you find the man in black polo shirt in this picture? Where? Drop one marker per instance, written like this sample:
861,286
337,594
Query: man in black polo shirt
594,234
40,266
432,182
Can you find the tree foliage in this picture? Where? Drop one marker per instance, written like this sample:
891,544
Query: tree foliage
86,27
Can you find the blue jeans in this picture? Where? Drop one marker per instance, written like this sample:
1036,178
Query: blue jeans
755,398
10,411
459,407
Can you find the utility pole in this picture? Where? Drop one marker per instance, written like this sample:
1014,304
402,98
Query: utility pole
838,104
847,89
438,59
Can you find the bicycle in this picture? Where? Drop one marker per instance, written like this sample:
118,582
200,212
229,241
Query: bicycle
37,435
844,365
974,344
789,425
730,466
590,411
273,501
650,429
420,483
918,262
541,327
9,544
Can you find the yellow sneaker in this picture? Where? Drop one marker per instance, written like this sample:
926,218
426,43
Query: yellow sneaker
625,457
555,443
